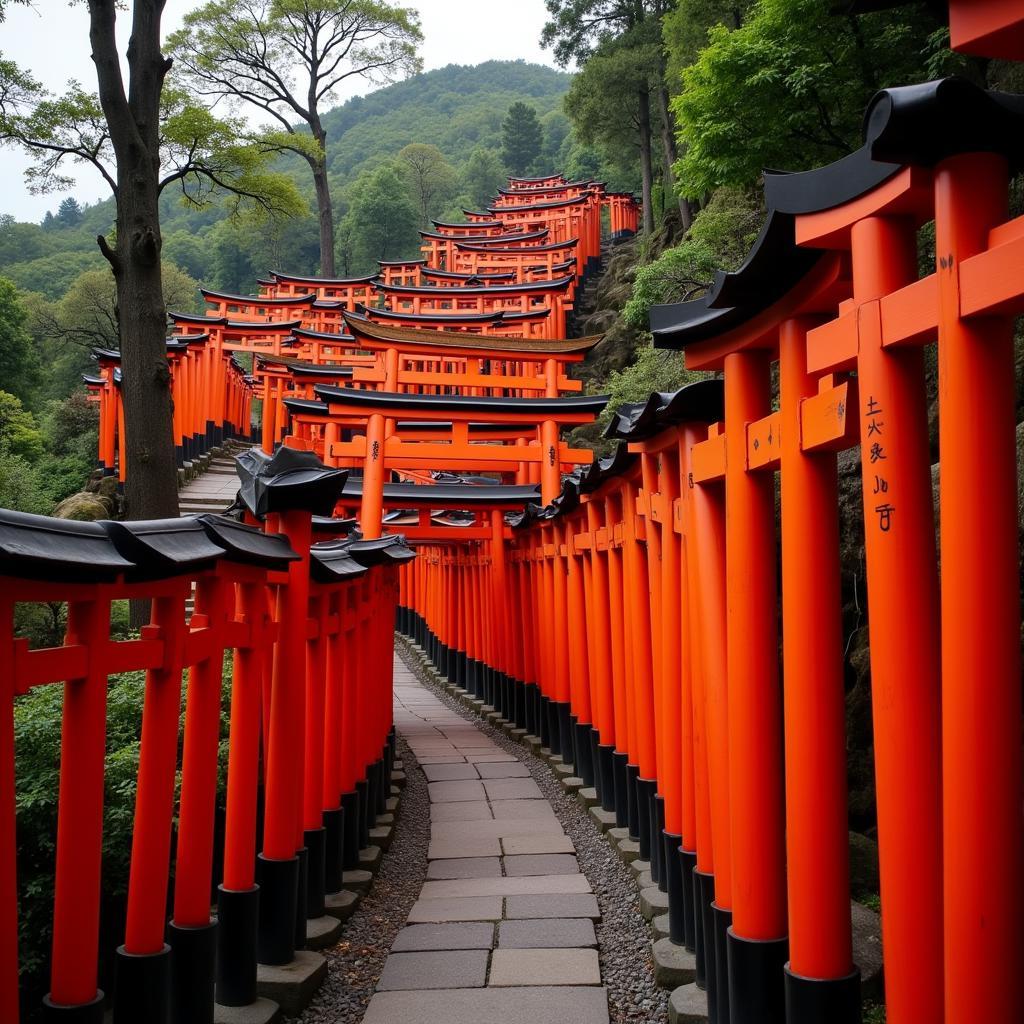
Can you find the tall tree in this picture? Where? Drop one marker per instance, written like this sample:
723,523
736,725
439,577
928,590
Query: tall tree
69,213
482,176
381,219
287,58
432,180
521,137
578,28
807,72
141,138
19,368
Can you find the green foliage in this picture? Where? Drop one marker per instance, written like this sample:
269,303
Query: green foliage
430,179
482,176
652,370
788,89
719,239
19,433
19,368
69,213
381,221
521,138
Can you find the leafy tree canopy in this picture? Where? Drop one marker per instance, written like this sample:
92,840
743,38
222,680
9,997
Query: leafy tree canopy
431,180
382,219
788,88
521,137
482,176
19,368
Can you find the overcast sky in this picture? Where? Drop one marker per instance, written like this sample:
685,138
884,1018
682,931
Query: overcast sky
51,41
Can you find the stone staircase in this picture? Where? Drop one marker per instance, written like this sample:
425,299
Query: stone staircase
215,487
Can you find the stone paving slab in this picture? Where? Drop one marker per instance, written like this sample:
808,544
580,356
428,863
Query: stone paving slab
464,867
457,908
445,792
468,846
446,936
513,845
552,906
522,810
502,770
545,967
542,1005
465,810
512,789
449,772
466,968
541,864
529,886
460,831
548,934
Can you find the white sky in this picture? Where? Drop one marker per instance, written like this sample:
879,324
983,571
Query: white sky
51,40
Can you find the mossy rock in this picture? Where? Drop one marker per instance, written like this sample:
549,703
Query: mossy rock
83,507
863,865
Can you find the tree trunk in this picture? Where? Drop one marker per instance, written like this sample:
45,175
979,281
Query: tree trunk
646,173
133,120
324,208
671,154
151,481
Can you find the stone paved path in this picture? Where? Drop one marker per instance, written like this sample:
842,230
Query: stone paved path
503,930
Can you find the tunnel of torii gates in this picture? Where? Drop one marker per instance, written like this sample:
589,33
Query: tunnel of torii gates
625,609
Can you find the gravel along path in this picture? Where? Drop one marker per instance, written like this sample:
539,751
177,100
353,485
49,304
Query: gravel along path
623,936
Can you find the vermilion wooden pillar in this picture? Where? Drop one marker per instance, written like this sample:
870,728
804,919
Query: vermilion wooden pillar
191,933
76,897
902,586
238,897
757,939
822,985
981,686
705,527
143,965
8,842
278,872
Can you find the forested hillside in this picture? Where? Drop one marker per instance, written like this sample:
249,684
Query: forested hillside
458,109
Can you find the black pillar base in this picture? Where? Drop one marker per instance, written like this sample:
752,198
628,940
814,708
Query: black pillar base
301,898
565,731
142,987
278,881
673,875
645,811
372,795
822,1001
550,738
363,791
688,865
84,1013
385,782
721,921
657,827
606,771
632,806
621,788
334,842
238,915
316,845
593,742
703,896
757,980
349,831
193,971
584,761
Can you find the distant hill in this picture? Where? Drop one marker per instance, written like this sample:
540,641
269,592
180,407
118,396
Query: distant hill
454,108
